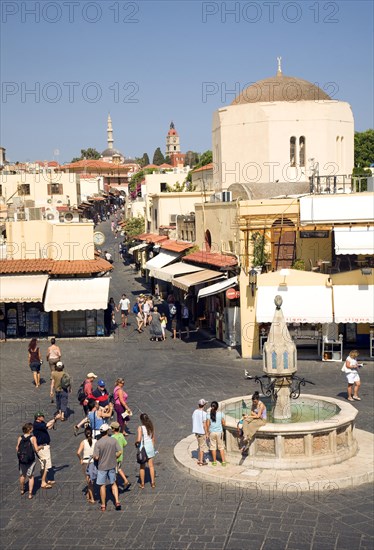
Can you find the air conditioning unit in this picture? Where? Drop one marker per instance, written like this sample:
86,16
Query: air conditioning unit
33,214
226,196
29,204
69,217
173,219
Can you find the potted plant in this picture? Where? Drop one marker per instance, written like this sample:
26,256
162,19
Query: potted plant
260,256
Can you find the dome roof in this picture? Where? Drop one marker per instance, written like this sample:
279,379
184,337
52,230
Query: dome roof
281,88
111,152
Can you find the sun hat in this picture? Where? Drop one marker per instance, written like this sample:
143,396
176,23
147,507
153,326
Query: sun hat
202,402
91,375
114,425
104,427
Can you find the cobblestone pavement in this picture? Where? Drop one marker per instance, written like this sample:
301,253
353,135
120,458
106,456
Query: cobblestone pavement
165,380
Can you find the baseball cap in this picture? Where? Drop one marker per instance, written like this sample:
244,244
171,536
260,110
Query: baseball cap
104,427
59,364
114,425
101,383
203,402
39,413
91,375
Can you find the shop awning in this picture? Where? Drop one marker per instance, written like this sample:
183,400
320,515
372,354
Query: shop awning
301,304
22,288
77,294
354,303
217,287
354,240
163,258
180,268
137,247
198,278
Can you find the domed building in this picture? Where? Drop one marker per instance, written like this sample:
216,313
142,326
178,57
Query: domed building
110,154
280,131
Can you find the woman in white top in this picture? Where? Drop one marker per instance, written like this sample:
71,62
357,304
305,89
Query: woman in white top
353,377
146,438
85,454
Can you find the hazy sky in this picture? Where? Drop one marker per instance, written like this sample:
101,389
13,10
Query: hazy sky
66,64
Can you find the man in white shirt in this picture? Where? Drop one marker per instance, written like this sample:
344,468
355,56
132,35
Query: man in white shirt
124,306
199,428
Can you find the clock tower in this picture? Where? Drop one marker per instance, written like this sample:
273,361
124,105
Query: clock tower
173,149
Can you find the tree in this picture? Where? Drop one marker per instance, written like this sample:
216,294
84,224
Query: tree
364,155
133,227
205,159
158,157
191,158
89,153
138,178
145,159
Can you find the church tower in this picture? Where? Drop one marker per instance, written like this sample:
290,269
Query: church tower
173,149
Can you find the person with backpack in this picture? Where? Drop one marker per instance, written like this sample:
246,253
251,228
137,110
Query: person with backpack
85,391
53,355
173,318
61,384
26,449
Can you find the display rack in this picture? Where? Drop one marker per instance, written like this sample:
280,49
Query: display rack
332,350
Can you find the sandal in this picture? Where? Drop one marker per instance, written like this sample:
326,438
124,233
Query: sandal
22,492
202,463
103,507
46,486
350,399
118,506
153,485
214,463
223,463
141,486
356,398
30,496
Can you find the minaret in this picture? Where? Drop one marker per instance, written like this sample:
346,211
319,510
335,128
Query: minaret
279,71
110,133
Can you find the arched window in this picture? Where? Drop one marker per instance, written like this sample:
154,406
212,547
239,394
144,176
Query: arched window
293,151
302,150
208,240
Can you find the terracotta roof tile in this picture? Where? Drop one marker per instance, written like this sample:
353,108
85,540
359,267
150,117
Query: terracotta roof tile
210,258
175,246
150,238
55,267
202,168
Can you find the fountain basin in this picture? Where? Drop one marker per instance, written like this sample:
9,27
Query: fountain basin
323,440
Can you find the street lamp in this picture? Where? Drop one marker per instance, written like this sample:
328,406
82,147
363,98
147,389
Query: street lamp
253,280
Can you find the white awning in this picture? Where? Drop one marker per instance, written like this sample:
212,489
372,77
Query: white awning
77,294
358,207
354,240
301,304
165,257
180,268
354,303
22,288
137,247
217,287
198,278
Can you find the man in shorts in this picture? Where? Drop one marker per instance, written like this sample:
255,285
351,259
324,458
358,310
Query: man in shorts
115,427
40,430
106,452
124,306
199,428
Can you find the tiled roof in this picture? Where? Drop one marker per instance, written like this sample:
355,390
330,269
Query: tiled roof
202,168
150,166
166,165
150,238
210,258
175,246
55,267
94,164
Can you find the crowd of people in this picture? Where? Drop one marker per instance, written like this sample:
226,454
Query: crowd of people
101,452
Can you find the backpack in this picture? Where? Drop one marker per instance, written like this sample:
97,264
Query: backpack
81,394
172,309
26,453
65,381
135,308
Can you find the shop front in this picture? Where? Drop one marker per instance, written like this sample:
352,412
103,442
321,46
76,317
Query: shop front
77,305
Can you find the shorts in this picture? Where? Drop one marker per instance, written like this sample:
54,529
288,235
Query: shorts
27,470
45,459
35,366
353,377
52,363
124,312
201,442
174,324
105,477
216,441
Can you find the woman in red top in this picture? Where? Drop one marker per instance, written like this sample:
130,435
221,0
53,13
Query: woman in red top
120,404
35,360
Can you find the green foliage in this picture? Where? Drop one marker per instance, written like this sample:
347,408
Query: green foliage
167,159
191,158
205,159
89,153
138,177
133,227
364,156
158,157
176,188
192,250
299,264
260,256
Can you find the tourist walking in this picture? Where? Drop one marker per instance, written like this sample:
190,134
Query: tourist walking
215,423
107,450
353,378
40,430
163,321
199,428
185,321
120,405
173,317
101,395
116,434
35,360
253,422
87,390
85,453
124,307
53,355
26,449
61,387
2,326
155,327
146,311
95,418
146,439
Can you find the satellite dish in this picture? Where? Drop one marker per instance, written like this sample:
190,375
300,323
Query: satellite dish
50,216
59,202
49,201
68,217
